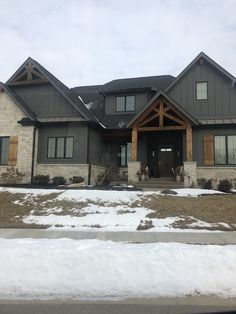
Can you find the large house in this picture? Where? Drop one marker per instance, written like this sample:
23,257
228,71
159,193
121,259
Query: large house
160,122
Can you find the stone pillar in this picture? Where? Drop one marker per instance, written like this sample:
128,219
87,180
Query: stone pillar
133,169
190,173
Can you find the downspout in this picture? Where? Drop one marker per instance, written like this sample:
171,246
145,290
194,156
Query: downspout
88,159
33,155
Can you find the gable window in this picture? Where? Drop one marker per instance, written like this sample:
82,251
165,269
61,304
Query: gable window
225,150
202,90
125,103
4,148
124,154
60,147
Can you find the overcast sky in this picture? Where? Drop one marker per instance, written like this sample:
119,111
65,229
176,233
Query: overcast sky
86,42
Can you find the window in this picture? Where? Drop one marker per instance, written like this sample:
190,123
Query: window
201,90
60,147
125,103
124,154
4,147
225,150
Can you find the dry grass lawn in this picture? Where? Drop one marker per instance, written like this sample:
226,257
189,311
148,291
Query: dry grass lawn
213,209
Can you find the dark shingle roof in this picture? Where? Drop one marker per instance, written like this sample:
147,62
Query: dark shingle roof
116,121
152,82
92,98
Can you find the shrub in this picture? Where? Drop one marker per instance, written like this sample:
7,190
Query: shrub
41,179
58,180
225,186
12,175
76,179
208,185
204,183
201,182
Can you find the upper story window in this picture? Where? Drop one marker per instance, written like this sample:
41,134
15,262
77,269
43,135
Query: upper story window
4,147
225,150
125,103
202,90
60,147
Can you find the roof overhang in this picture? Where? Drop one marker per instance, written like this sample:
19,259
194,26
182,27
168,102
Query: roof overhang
174,106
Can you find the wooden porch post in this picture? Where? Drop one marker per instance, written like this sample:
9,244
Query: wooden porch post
134,144
189,143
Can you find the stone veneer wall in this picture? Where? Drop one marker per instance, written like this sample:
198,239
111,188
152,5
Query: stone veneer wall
133,169
70,170
9,115
65,170
97,171
190,173
217,173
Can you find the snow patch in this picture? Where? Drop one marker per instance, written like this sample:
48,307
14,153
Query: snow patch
64,268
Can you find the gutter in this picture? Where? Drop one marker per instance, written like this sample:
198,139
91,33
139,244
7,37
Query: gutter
88,159
33,155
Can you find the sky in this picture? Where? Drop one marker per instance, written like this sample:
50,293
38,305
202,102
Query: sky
88,42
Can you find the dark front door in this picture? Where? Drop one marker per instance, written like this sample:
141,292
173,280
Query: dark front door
166,160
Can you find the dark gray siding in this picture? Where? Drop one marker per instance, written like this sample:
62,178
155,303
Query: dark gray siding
78,131
143,148
221,95
198,135
97,149
46,101
110,102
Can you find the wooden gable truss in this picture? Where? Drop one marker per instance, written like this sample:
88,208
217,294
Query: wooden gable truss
161,116
28,75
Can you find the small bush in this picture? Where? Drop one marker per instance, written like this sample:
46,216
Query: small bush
208,185
76,179
12,175
204,183
41,179
225,186
201,182
58,180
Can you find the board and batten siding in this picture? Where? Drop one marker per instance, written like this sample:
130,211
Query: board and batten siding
221,102
46,101
97,149
141,100
78,131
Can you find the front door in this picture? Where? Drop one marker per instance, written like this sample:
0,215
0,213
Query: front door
166,161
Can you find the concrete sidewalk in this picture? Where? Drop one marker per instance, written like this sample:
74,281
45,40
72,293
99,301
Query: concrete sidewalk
135,237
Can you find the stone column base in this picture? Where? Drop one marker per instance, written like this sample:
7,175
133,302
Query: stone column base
133,169
190,173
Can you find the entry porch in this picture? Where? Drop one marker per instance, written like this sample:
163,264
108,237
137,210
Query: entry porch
162,141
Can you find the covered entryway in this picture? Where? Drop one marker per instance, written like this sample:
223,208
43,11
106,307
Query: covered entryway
169,129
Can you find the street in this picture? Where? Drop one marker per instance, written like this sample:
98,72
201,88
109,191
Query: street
166,306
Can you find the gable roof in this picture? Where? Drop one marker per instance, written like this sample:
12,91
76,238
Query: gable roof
19,102
195,60
176,105
149,82
71,97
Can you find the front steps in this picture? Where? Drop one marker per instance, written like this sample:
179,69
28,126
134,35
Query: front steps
163,183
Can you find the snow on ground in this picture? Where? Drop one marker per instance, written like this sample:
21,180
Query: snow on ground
63,268
195,192
107,196
105,210
94,217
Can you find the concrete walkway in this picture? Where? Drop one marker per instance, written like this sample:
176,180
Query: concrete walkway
135,237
